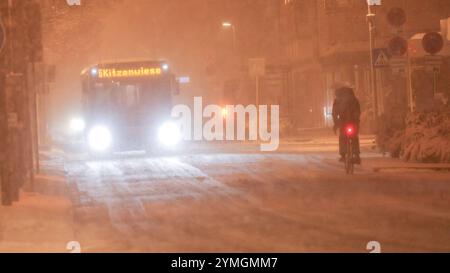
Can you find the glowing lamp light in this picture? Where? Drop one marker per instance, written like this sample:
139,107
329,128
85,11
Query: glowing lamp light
77,125
227,24
165,67
100,139
169,134
224,112
94,72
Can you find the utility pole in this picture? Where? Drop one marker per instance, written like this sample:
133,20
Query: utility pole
371,23
234,38
2,132
35,57
10,40
409,83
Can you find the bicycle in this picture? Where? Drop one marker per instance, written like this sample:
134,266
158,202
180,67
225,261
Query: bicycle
350,133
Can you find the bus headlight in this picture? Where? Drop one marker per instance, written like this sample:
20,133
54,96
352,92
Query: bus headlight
77,125
169,134
99,138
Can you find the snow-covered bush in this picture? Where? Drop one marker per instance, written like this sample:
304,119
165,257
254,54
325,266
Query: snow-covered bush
426,138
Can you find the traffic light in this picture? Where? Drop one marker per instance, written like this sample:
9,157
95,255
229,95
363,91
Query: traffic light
396,17
397,45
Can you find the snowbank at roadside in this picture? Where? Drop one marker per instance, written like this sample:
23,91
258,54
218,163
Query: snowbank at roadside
42,221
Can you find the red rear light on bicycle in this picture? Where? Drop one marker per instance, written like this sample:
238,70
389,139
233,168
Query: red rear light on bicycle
350,130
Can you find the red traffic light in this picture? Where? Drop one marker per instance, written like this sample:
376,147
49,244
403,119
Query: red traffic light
432,42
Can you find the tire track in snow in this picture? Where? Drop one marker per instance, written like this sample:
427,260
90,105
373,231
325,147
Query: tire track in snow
124,186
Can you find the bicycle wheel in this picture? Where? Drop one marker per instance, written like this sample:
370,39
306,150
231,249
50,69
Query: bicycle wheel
349,162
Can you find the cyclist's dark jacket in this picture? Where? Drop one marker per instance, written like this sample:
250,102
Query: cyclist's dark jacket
346,107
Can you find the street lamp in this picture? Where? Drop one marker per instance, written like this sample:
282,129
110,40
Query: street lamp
229,25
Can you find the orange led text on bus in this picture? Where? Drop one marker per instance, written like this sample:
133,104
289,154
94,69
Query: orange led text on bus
126,73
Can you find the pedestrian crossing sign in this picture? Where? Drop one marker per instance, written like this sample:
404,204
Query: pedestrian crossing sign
381,58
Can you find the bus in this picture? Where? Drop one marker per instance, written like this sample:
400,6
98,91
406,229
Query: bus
126,106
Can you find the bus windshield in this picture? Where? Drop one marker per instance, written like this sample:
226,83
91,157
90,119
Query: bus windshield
128,97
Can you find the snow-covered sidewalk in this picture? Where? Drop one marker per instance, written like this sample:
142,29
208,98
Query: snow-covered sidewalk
41,221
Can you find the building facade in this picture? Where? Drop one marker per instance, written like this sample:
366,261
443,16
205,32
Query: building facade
22,50
327,42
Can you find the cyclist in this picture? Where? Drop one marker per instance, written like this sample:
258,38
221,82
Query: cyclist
346,110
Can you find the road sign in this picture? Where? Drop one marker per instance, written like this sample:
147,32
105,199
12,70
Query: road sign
398,64
184,80
380,57
433,63
2,35
374,2
433,60
73,2
257,67
433,42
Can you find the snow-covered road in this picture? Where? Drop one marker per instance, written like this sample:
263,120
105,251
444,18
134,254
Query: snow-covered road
231,198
